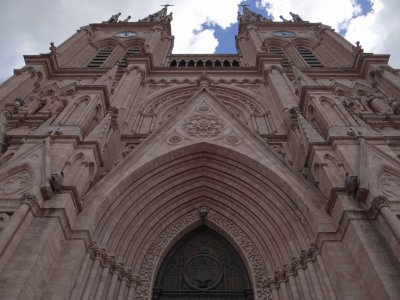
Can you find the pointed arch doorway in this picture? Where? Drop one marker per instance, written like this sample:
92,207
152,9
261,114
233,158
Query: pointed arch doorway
202,266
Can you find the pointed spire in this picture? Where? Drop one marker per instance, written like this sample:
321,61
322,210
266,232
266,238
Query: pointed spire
309,134
108,78
100,132
249,16
160,16
301,80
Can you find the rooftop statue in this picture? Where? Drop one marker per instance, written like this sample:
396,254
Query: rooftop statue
114,18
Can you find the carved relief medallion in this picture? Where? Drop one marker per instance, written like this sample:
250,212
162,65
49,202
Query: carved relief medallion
16,184
232,140
202,272
204,126
390,185
175,139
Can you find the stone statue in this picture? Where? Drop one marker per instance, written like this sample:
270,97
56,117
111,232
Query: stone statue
377,103
114,18
394,103
127,19
283,19
296,17
353,104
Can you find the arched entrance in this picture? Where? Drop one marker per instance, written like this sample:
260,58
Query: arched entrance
202,265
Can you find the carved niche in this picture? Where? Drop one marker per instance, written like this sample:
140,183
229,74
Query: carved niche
249,250
389,183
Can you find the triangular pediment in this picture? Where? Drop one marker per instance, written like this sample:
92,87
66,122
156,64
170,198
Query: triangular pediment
203,120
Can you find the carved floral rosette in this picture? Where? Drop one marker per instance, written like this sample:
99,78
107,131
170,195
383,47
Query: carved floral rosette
148,267
203,126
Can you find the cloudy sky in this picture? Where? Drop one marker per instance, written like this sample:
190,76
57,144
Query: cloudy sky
199,26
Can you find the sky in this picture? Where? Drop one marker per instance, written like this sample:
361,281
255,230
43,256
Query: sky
199,26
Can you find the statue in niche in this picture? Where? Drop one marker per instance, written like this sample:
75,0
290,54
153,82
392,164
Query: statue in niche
378,105
35,103
394,103
353,104
54,106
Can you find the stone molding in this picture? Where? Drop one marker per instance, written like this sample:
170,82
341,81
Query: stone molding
108,261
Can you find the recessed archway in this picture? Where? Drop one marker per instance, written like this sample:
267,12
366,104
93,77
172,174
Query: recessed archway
202,263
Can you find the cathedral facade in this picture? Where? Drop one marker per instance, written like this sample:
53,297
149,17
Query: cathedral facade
129,172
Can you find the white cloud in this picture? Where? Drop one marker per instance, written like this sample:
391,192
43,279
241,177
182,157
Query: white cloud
29,26
377,31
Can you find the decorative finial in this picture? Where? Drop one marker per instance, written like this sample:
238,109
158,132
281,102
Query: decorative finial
166,5
114,18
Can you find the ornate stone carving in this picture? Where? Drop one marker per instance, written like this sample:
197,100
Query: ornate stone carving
56,182
379,202
147,268
389,183
351,183
249,249
378,105
4,220
175,139
232,140
204,126
16,184
29,199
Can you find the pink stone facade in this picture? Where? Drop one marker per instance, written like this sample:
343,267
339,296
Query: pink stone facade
113,150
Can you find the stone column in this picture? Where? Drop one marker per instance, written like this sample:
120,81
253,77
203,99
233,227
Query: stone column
272,282
126,93
106,263
298,266
124,278
292,281
82,277
116,269
326,278
28,202
307,257
97,255
282,87
281,278
380,203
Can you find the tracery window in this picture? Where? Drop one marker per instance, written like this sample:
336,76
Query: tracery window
131,52
309,57
279,51
100,57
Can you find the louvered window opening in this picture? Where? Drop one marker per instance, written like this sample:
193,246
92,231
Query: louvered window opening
130,52
276,50
309,58
100,58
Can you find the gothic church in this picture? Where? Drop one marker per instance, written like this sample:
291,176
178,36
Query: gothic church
128,172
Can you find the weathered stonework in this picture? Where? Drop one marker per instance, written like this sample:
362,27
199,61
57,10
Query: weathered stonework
114,153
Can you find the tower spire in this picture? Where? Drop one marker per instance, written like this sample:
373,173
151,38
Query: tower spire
249,16
160,16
